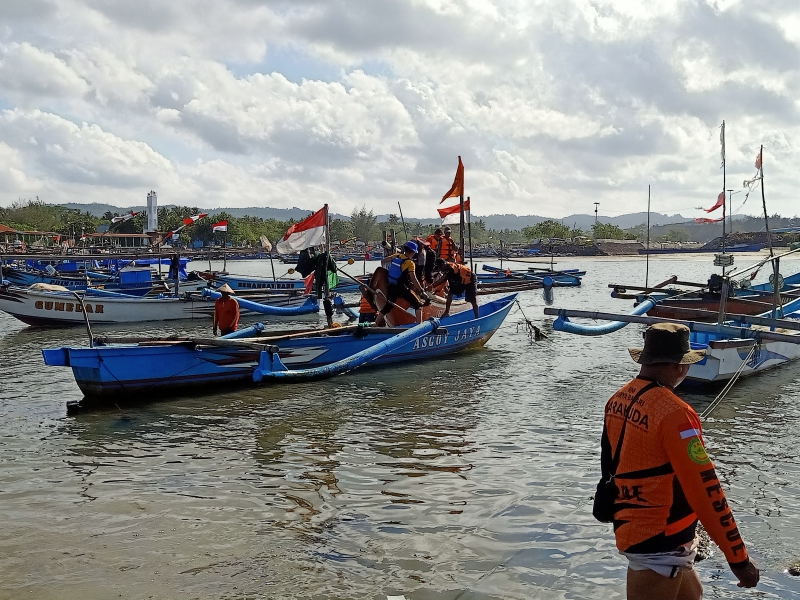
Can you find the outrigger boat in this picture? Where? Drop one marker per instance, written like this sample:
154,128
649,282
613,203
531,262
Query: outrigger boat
48,306
138,367
565,278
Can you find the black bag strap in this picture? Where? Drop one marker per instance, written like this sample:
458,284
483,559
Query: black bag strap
615,458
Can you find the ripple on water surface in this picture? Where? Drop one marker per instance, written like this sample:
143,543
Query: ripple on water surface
459,478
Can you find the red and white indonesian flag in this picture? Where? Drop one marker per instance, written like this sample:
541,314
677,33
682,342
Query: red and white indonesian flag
221,226
190,220
305,234
123,218
452,214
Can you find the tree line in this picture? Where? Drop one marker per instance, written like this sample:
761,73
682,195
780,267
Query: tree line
35,215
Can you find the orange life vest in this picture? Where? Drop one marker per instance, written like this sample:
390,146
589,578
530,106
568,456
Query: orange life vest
463,272
433,242
447,249
366,307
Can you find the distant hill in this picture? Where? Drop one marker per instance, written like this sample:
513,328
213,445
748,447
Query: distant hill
499,222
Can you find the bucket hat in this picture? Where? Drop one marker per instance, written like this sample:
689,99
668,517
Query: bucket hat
666,343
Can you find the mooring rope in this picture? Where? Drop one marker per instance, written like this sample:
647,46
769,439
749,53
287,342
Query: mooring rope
721,396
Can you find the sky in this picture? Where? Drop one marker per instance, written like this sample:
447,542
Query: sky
553,105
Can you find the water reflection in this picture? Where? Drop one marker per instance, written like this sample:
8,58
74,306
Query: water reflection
466,477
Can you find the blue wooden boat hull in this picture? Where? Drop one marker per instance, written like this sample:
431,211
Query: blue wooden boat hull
110,371
242,282
239,282
26,279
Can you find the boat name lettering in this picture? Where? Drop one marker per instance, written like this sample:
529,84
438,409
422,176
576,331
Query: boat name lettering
271,286
67,306
429,341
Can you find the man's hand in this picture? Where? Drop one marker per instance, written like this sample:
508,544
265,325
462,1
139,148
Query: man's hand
748,575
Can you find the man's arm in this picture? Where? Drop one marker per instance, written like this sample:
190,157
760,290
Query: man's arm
235,324
684,445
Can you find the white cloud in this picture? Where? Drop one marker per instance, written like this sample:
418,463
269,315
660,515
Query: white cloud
552,105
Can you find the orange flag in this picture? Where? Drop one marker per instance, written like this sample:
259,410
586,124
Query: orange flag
458,184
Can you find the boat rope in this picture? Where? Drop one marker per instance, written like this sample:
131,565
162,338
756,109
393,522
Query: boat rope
534,333
716,402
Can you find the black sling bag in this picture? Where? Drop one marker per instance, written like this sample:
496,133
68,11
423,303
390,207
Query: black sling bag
607,491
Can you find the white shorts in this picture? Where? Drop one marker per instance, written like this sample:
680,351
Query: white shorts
667,564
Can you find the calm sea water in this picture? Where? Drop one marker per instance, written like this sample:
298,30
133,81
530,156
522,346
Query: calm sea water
466,477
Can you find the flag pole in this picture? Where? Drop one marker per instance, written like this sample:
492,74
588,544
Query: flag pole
405,230
647,254
461,224
325,285
776,287
469,229
722,139
224,248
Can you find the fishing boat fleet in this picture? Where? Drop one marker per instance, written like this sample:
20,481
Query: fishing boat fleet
744,328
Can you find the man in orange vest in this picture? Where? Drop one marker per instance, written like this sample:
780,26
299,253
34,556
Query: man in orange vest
461,280
447,248
434,238
226,311
658,480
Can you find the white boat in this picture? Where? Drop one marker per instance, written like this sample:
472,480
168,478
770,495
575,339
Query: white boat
727,356
40,306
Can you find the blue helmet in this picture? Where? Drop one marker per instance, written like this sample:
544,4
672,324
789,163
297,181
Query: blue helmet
411,246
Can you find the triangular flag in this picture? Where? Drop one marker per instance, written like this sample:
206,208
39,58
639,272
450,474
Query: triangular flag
190,220
720,202
458,183
124,218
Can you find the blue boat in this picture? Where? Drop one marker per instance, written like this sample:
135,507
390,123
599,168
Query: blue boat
131,281
156,366
565,278
734,248
243,282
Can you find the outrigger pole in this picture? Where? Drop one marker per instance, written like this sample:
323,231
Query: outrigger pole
726,330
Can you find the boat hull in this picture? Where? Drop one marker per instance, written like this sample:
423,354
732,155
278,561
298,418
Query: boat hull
167,367
62,309
725,357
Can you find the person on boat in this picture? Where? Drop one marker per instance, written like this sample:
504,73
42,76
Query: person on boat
226,311
403,282
434,238
447,249
664,478
461,280
366,311
425,260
